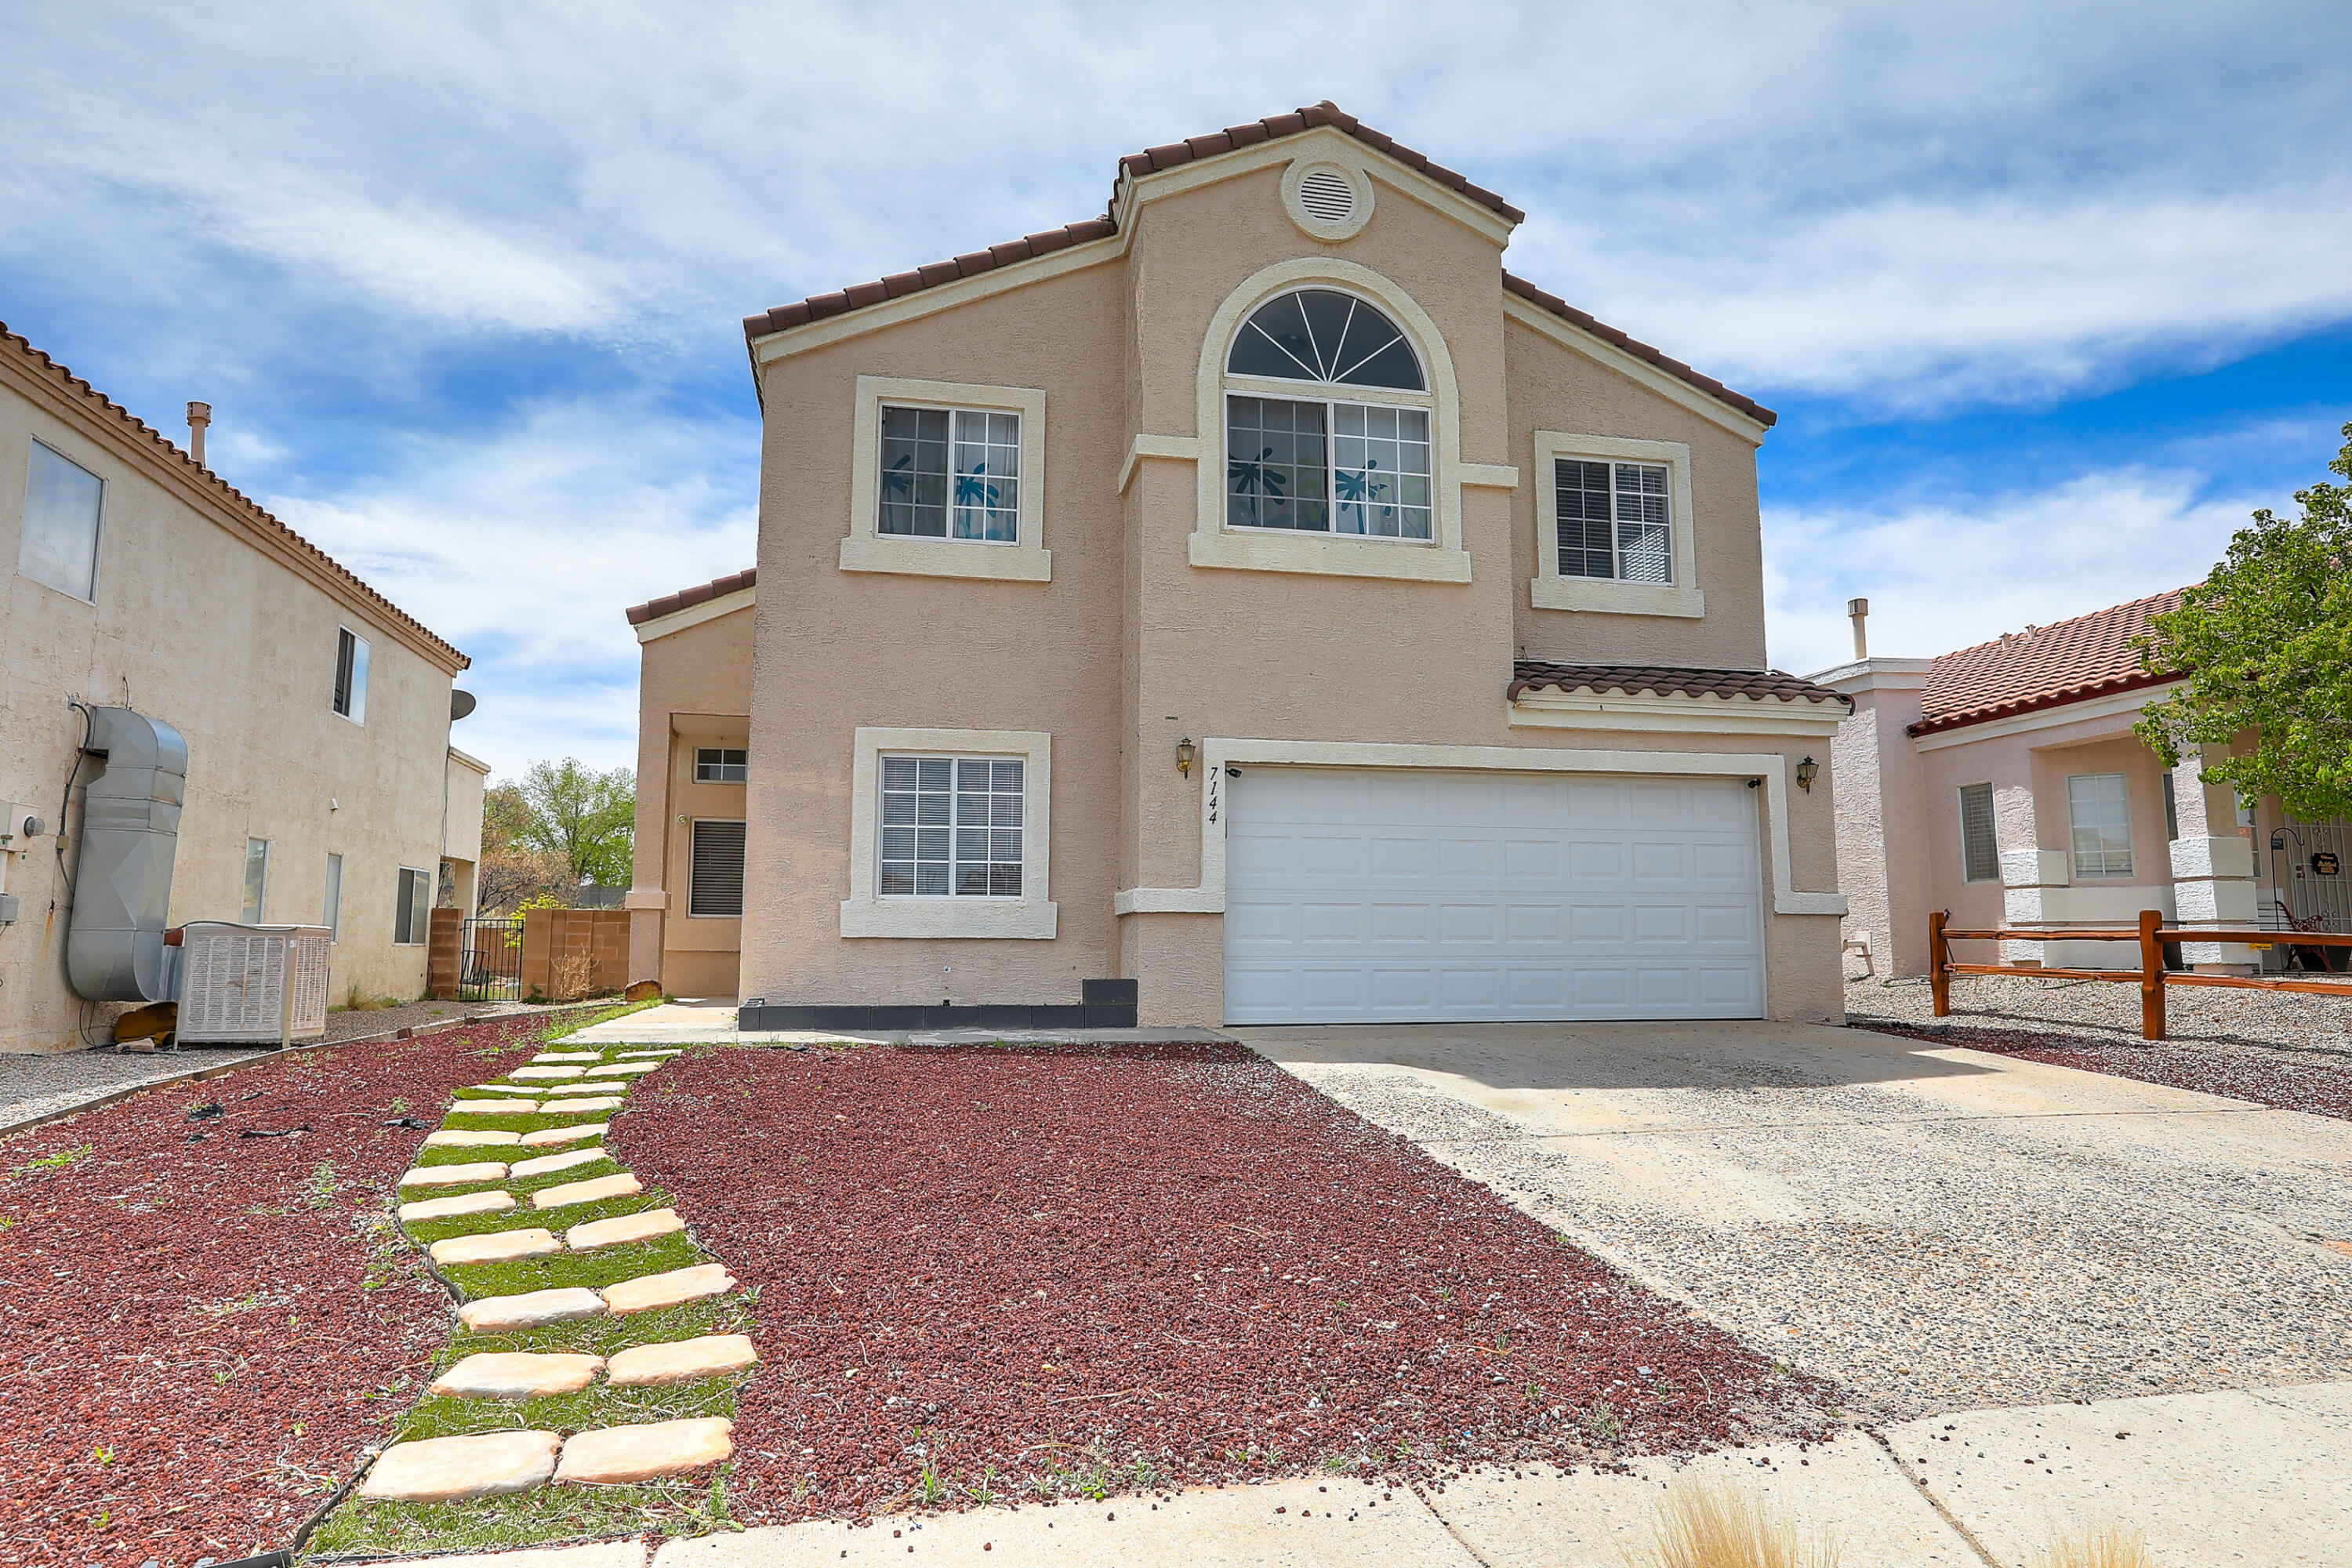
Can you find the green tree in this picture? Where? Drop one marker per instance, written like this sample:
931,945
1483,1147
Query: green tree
506,816
587,818
2265,649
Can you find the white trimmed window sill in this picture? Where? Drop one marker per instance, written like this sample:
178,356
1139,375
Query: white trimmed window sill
1330,555
1012,919
947,558
1608,598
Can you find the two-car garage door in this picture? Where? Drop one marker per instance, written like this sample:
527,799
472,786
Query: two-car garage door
1359,896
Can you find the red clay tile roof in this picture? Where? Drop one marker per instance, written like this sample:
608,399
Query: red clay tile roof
2042,667
168,451
1607,333
687,598
1151,160
1635,680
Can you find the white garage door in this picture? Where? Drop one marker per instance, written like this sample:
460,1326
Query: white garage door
1355,896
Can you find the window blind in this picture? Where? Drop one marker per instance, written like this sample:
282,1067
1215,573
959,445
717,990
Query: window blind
1979,848
715,882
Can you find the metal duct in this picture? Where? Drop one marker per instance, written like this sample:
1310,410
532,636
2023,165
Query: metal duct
123,880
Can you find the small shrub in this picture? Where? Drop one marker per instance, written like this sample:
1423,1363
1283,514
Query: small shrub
1705,1524
2113,1547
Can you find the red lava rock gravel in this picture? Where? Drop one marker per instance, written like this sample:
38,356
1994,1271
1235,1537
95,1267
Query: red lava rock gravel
1002,1263
2282,1079
186,1346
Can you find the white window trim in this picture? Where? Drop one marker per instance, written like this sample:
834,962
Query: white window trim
692,823
2131,850
1439,558
1209,898
431,888
868,548
333,911
1547,590
97,534
1032,917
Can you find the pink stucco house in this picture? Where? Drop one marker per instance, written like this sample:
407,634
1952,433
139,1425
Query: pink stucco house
2002,783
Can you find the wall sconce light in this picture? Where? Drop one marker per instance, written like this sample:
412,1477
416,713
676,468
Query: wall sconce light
1184,756
1808,770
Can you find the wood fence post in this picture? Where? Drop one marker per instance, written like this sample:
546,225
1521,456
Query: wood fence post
1940,958
2151,976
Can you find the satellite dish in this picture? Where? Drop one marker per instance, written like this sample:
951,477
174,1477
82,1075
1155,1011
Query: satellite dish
460,704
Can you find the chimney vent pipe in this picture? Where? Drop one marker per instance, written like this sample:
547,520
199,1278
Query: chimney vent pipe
199,416
1860,610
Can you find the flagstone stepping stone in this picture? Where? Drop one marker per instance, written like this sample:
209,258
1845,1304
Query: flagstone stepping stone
573,1134
519,1375
630,1055
546,1164
568,1057
454,1175
495,1247
502,1088
450,1470
467,1137
450,1208
574,1107
622,1069
533,1309
587,1191
641,1227
682,1361
533,1074
668,1290
563,1089
615,1456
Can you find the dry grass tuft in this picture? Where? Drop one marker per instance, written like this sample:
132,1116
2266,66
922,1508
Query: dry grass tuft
2114,1547
1706,1524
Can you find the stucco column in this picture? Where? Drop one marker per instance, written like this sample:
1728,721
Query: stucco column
2213,867
2033,885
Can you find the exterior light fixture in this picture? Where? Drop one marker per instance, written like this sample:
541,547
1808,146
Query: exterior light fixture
1184,756
1808,770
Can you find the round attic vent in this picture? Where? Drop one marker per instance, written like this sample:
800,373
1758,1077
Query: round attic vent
1327,195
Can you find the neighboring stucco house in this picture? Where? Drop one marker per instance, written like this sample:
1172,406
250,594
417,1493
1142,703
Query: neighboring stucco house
2002,783
1254,602
282,730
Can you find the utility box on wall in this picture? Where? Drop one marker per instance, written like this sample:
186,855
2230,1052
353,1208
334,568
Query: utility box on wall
252,983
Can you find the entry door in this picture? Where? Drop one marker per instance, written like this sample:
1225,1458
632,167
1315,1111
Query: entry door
1408,896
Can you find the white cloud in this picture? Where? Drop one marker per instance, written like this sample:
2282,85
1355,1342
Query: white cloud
1940,577
523,547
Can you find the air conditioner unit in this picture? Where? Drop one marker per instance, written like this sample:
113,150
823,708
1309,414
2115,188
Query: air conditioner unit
252,983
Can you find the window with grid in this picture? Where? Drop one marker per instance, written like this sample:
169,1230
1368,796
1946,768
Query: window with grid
950,473
715,869
1614,521
1980,850
952,828
720,765
2098,814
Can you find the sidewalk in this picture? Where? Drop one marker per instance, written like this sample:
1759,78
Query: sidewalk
709,1023
2257,1480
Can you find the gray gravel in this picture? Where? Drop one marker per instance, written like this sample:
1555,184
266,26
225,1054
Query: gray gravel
2210,1014
1859,1230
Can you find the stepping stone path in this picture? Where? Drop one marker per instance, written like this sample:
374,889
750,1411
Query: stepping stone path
503,1462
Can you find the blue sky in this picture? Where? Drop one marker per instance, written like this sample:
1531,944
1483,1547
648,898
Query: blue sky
2048,297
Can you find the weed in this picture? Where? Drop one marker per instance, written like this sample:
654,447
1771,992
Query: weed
64,1159
2113,1547
1602,1422
1146,1477
6,1220
321,1190
1704,1524
1335,1465
934,1490
101,1455
229,1306
400,1105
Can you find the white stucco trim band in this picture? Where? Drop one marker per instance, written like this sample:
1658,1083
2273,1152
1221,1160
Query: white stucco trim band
697,614
1176,448
1553,709
1032,917
1209,897
2123,702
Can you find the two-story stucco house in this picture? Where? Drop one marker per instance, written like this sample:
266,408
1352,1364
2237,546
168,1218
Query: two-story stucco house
1255,602
204,718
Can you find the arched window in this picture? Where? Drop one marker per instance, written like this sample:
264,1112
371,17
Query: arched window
1348,452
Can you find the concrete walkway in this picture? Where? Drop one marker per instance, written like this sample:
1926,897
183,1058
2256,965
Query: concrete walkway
2249,1481
713,1023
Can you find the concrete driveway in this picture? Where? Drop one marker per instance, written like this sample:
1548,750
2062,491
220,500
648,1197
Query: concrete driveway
1939,1229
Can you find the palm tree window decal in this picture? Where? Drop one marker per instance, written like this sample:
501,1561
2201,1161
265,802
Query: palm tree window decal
950,473
1328,464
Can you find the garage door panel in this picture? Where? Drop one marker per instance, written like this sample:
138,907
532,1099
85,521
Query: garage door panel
1368,895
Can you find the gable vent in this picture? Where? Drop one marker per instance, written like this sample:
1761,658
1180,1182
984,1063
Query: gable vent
1327,195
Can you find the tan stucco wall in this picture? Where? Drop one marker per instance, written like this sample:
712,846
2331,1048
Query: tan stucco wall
694,690
1131,647
197,626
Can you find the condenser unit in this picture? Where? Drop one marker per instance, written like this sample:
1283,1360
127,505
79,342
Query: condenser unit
252,983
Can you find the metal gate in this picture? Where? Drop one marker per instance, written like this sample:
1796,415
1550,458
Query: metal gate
489,961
